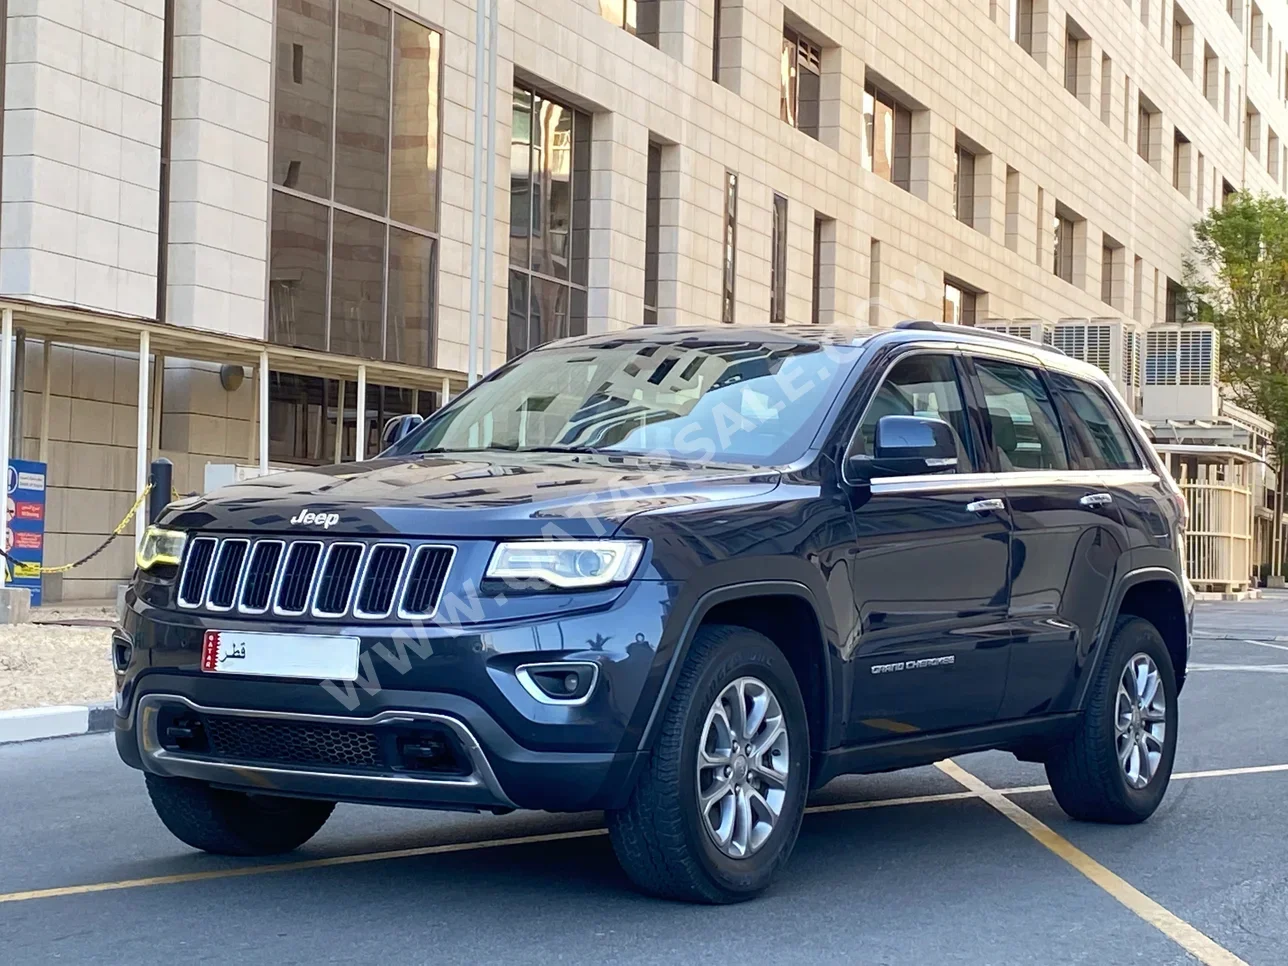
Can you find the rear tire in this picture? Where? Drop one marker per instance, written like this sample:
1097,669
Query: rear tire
668,844
234,823
1116,766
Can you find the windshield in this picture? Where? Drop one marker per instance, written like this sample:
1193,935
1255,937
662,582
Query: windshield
746,402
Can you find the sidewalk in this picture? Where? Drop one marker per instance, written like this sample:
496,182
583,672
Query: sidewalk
1264,620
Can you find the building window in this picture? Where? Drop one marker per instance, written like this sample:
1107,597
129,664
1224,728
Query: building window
1252,130
964,186
1111,269
801,79
638,17
887,126
1144,12
778,263
1077,55
1201,177
354,241
730,247
549,221
1225,108
1106,90
1062,227
1211,76
824,277
652,232
960,302
1255,37
716,42
1148,120
1181,163
1227,192
1022,24
1182,40
1177,303
1272,153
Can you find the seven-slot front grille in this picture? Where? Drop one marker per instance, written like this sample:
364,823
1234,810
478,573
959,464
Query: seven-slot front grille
332,579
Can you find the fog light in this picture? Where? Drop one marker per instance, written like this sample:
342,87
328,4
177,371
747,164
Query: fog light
560,682
122,653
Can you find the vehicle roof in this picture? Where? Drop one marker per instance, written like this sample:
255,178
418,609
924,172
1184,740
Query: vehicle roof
825,335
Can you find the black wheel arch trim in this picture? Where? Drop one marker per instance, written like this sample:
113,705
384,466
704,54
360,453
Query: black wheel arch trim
698,612
1133,578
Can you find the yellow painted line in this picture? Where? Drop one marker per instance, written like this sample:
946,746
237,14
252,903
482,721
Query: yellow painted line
1194,942
362,858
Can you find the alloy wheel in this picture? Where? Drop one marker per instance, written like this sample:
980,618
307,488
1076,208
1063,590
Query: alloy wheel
1140,720
743,763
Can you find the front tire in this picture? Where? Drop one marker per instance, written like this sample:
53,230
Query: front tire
1116,766
717,809
234,823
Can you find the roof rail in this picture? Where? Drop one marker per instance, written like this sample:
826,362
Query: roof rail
925,325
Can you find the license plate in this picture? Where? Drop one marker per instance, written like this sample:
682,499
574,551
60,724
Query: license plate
281,655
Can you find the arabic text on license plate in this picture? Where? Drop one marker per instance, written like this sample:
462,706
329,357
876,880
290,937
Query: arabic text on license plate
281,655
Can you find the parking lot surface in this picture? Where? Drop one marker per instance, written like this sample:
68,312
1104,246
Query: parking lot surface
909,868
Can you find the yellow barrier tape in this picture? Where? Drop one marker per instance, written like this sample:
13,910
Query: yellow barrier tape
34,570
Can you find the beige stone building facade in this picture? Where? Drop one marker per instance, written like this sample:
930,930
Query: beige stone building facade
300,172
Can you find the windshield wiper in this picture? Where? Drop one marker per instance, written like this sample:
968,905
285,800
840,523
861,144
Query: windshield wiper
565,449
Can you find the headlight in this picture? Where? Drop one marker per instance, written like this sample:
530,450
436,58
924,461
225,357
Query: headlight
161,547
567,563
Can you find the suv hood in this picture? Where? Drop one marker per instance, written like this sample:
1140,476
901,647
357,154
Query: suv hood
495,495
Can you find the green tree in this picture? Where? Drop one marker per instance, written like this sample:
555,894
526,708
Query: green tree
1240,279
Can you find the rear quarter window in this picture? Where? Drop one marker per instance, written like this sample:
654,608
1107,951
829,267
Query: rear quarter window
1098,440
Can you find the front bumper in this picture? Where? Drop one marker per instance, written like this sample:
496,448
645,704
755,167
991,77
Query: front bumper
460,687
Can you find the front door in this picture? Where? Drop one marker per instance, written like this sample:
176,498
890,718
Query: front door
929,574
1066,544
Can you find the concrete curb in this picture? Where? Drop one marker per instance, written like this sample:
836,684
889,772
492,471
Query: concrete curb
33,724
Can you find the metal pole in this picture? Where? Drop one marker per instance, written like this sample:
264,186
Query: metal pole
338,455
263,411
43,454
141,464
480,27
360,437
6,419
489,170
19,392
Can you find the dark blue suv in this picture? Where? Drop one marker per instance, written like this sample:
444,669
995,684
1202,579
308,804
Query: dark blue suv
681,575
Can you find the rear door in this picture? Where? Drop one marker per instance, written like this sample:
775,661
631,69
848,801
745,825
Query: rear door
1065,540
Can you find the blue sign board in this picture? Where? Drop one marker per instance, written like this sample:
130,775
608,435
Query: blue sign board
25,535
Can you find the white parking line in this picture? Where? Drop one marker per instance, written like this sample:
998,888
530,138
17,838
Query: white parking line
1262,668
1277,647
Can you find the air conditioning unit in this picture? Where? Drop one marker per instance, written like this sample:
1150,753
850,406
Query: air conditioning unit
1181,373
1035,330
1111,345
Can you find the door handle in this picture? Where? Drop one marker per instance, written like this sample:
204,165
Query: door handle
1097,499
986,506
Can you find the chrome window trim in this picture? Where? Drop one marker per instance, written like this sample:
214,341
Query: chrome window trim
1015,480
914,349
321,570
214,568
524,673
205,583
272,584
399,583
308,595
402,613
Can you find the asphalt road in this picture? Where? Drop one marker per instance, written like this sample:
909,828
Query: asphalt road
874,880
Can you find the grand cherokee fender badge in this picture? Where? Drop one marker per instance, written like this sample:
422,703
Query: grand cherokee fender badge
914,665
325,520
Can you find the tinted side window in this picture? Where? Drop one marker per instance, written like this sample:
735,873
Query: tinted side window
1097,437
921,385
1021,416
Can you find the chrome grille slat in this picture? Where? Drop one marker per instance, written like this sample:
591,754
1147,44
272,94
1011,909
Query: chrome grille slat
333,589
298,571
196,572
378,585
331,579
426,578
